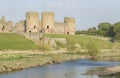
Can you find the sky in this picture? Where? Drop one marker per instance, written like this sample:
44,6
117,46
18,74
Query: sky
88,13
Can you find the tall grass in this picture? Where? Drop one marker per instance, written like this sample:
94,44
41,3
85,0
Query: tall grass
59,45
42,47
71,44
116,47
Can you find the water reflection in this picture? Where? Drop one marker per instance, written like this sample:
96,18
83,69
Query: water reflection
73,69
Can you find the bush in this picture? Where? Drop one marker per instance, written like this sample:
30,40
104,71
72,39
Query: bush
92,48
59,45
71,44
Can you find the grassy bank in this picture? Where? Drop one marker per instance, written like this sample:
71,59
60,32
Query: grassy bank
13,60
14,41
17,61
17,42
84,40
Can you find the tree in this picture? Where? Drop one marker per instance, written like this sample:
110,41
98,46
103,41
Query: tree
78,32
111,32
103,28
117,30
92,31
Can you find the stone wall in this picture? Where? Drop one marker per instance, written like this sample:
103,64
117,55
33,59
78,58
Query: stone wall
9,26
60,28
20,27
47,24
35,37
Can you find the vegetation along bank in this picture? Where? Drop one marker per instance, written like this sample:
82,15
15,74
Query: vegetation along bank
18,52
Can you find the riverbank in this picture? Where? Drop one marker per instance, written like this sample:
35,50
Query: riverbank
14,55
17,60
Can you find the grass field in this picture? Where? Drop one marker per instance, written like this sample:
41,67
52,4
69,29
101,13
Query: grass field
17,42
85,40
14,41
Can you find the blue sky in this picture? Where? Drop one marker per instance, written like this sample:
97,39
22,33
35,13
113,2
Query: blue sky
88,13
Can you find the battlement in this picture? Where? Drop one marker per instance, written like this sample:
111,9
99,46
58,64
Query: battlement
68,19
32,13
48,13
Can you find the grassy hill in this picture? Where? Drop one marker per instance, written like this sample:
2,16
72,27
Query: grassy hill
14,41
84,40
17,42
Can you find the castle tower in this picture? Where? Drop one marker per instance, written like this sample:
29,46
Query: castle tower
3,19
70,21
48,22
32,22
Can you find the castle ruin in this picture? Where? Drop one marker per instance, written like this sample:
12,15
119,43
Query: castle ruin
5,27
46,24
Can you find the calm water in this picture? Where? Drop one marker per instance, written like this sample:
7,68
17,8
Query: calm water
73,69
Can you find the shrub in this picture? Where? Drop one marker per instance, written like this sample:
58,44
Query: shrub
92,48
71,44
59,45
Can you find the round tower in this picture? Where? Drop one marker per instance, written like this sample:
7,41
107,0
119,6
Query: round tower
70,21
48,22
32,22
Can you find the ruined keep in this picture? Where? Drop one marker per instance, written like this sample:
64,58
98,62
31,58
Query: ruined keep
32,22
46,24
6,27
70,25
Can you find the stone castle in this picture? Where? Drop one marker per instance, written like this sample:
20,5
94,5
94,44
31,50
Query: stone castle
5,26
33,24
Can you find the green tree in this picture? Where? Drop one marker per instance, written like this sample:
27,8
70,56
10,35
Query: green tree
103,28
78,32
117,30
111,32
92,31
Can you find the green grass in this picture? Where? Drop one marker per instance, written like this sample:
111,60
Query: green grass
17,42
84,40
14,41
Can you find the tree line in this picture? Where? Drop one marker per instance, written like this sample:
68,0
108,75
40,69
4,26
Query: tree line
103,29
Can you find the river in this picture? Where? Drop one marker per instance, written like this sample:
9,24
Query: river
72,69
